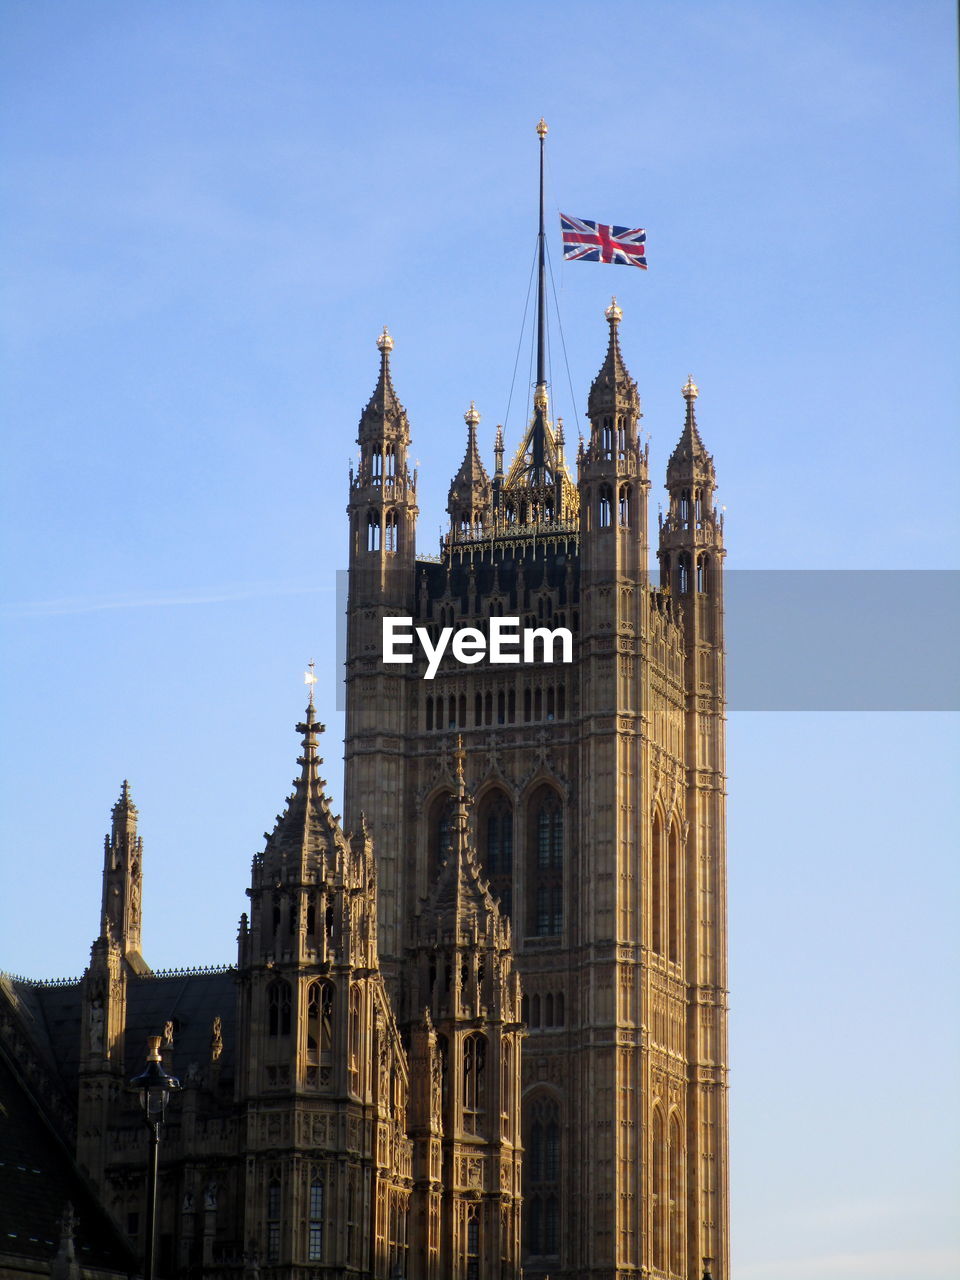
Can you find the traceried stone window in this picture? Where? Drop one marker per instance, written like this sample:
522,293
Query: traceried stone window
676,1207
355,1045
440,836
605,507
319,1022
474,1081
391,532
278,1008
659,1193
541,1177
545,864
496,846
625,506
473,1242
315,1219
373,531
673,900
683,572
656,885
273,1217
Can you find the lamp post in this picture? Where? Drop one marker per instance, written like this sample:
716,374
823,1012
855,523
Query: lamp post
155,1087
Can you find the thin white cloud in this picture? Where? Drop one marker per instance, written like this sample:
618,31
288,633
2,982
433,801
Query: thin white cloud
160,599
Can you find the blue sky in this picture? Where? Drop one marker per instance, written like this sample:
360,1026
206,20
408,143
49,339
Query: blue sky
208,214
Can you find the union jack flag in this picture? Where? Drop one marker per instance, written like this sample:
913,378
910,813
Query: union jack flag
595,242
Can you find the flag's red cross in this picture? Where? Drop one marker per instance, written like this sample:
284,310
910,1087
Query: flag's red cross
599,242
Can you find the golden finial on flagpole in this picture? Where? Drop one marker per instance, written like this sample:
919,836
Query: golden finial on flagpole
310,677
542,128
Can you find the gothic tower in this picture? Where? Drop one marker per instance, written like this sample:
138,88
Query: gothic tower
463,997
114,958
691,563
323,1077
598,803
383,520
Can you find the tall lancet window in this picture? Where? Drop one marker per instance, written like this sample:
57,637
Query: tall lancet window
674,922
373,531
474,1081
677,1193
541,1177
656,885
440,834
495,828
319,1021
355,1045
626,506
545,864
658,1187
391,532
315,1222
278,1008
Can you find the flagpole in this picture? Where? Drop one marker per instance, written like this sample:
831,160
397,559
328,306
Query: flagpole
540,396
541,277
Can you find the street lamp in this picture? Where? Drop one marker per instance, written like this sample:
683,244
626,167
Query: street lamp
155,1087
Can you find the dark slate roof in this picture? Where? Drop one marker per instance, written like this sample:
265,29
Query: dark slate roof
191,1001
37,1180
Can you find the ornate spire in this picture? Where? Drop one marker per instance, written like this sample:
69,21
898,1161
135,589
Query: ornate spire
469,498
613,390
121,898
124,810
461,898
690,462
307,825
383,407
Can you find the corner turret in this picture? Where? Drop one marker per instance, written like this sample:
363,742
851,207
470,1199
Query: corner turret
469,501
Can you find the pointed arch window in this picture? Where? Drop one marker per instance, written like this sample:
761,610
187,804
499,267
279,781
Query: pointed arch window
319,1021
659,1190
440,838
390,456
473,1243
676,1204
278,1008
541,1176
391,532
273,1217
605,507
703,574
315,1219
355,1028
474,1081
606,437
673,905
656,885
373,531
683,572
545,864
625,506
684,505
496,844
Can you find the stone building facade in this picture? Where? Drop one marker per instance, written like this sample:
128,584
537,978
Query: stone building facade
599,794
486,1031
